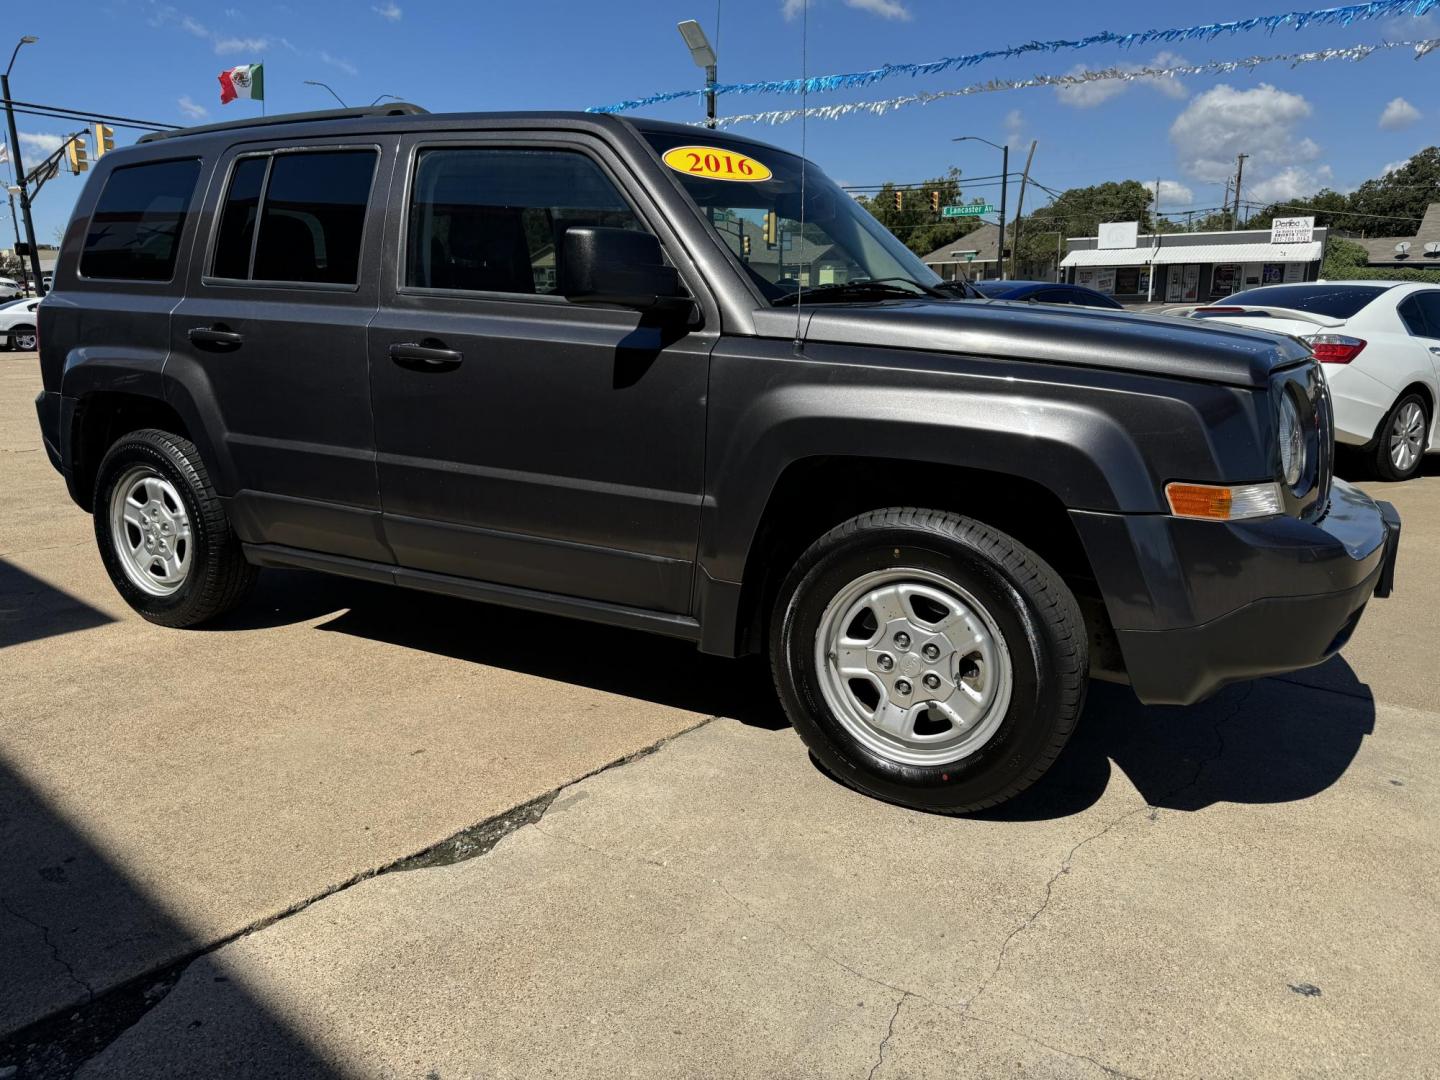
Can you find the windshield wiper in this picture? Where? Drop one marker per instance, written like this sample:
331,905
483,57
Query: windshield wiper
866,287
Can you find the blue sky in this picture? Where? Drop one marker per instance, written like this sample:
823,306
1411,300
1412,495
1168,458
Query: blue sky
1322,123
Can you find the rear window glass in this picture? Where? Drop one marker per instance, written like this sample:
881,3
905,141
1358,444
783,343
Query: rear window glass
1333,301
134,233
310,208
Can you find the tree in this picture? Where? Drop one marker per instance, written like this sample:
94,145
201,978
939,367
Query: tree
915,223
1079,212
1328,206
1399,198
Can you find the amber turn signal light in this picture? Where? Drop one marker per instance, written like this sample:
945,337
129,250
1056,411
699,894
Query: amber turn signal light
1215,502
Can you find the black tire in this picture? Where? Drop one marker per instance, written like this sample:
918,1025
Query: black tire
1032,608
20,331
1381,461
219,577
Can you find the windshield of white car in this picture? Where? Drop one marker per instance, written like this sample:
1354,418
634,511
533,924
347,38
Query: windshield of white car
760,222
14,303
1333,301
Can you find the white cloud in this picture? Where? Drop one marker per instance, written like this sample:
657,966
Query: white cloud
41,143
390,10
1087,95
192,26
1224,122
338,63
1393,166
1173,193
1294,182
886,9
225,46
1399,114
191,110
1014,128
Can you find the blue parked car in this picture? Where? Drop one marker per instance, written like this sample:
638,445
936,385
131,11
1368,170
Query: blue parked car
1044,292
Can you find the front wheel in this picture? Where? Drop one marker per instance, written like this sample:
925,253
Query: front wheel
928,659
23,339
1404,434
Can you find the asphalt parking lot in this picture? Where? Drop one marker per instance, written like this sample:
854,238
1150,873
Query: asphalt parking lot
353,831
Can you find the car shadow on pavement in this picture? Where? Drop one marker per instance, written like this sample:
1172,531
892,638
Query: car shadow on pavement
1268,741
85,952
31,609
666,671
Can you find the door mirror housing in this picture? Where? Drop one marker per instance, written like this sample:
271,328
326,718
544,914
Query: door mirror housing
618,266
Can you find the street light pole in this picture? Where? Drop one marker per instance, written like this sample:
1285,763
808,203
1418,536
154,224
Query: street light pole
1004,191
28,39
704,56
326,86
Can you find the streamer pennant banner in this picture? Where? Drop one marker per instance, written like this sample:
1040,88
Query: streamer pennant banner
1126,74
1332,16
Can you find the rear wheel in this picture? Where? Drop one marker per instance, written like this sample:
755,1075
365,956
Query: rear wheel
1403,438
163,534
928,659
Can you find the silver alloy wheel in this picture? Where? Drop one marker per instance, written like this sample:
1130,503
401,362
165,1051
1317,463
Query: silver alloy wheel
913,666
1407,436
25,340
151,531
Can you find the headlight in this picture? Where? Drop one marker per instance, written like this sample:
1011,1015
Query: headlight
1292,441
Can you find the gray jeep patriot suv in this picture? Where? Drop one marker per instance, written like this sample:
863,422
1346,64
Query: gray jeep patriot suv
675,380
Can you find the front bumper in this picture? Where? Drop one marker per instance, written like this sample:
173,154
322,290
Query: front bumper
1199,605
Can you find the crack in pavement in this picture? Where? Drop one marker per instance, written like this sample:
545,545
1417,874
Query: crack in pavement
889,1031
1065,864
54,949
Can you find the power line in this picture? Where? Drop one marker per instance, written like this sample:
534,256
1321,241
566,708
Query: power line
1334,213
62,112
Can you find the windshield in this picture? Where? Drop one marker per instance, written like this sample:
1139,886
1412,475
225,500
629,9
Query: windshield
13,304
839,247
1332,301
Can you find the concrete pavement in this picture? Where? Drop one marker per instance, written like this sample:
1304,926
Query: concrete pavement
1246,888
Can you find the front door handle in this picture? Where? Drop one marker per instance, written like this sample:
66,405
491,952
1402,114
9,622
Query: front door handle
219,335
1435,349
427,355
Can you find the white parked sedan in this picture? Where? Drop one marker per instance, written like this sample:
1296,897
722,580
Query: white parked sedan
17,324
1378,343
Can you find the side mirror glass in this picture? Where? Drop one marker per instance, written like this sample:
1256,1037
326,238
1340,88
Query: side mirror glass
617,266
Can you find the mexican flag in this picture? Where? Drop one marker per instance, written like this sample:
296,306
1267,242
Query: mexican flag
245,81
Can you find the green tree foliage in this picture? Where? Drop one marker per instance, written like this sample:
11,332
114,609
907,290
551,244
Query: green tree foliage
1079,212
1331,210
915,223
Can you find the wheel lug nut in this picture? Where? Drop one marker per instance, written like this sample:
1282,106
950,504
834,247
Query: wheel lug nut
902,687
884,662
902,640
931,651
932,681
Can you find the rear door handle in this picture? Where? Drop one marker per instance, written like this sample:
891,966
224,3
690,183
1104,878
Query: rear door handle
419,356
215,335
1435,349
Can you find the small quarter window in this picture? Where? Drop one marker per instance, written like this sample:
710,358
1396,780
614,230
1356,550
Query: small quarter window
494,220
310,209
134,233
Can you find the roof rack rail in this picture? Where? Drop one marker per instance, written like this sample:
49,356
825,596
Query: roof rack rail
395,108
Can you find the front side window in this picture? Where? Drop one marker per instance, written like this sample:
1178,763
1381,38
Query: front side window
826,242
494,220
134,233
309,209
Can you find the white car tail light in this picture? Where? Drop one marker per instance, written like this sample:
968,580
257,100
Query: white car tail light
1334,348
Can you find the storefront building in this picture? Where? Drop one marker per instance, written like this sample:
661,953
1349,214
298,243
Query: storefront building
1193,268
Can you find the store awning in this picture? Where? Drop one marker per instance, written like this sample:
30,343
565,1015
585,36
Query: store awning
1196,253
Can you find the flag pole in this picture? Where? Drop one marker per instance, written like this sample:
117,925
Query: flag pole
262,89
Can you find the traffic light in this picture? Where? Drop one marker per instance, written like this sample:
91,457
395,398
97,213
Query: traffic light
75,154
772,229
899,200
745,246
934,202
104,140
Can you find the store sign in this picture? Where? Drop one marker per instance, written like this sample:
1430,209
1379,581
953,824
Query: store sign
1119,234
1292,230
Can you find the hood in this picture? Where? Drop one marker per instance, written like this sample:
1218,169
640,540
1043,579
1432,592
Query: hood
1084,337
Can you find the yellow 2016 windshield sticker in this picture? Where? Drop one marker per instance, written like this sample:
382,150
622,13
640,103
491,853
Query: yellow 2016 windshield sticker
715,164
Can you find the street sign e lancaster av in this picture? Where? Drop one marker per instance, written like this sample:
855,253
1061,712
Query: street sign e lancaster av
972,210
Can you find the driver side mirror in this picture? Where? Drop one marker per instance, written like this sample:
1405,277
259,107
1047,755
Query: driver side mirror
618,266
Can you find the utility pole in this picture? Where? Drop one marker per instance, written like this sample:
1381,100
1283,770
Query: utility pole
1155,231
1225,206
1019,208
1239,176
28,39
24,270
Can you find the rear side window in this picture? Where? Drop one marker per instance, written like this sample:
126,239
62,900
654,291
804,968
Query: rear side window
494,220
295,217
1430,307
1333,301
134,233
